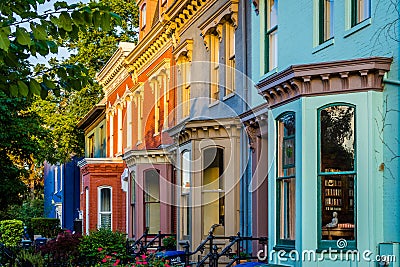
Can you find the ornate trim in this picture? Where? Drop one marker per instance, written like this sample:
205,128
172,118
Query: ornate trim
324,78
133,157
185,49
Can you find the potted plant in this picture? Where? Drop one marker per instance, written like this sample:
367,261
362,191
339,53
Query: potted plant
169,243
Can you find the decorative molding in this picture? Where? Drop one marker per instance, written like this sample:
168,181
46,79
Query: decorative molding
133,157
206,129
334,77
87,161
185,49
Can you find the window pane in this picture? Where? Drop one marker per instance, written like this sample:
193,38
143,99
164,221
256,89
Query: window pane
337,203
152,186
105,195
185,172
273,13
337,139
213,196
287,208
273,49
153,217
286,143
185,215
105,220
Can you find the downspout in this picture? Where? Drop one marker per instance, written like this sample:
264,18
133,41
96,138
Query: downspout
244,148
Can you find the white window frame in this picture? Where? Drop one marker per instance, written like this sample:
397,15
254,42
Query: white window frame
99,206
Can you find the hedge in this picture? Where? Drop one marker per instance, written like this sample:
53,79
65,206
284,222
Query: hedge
47,227
11,232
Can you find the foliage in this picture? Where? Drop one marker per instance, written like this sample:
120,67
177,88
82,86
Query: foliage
150,260
30,208
11,232
169,242
105,241
30,258
25,33
63,249
92,49
47,227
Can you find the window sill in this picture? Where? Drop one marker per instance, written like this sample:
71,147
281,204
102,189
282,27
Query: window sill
357,27
324,45
325,245
139,142
228,96
216,102
269,73
156,134
286,248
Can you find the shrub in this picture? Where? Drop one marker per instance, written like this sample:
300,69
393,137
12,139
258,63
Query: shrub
62,250
11,232
169,242
47,227
29,258
94,246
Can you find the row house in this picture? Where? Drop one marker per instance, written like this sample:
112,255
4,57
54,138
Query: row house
324,135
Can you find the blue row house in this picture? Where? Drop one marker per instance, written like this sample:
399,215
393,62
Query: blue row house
61,193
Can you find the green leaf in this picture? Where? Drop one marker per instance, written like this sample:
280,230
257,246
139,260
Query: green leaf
65,21
56,92
97,19
23,37
23,88
49,84
4,41
43,93
53,47
78,18
60,4
13,90
39,31
106,22
34,87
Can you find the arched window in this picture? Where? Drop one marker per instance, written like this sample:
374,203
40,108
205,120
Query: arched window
152,201
337,172
286,178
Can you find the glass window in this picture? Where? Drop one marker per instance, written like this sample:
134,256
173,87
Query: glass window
143,24
152,201
326,15
230,59
184,71
360,11
185,193
214,49
105,208
286,179
213,194
91,146
271,38
337,172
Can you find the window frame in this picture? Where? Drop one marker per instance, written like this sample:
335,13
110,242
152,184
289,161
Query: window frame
214,68
187,195
270,30
220,191
322,21
230,64
143,16
283,243
355,10
99,189
326,244
146,203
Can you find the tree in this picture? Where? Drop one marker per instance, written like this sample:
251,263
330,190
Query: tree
25,33
92,50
